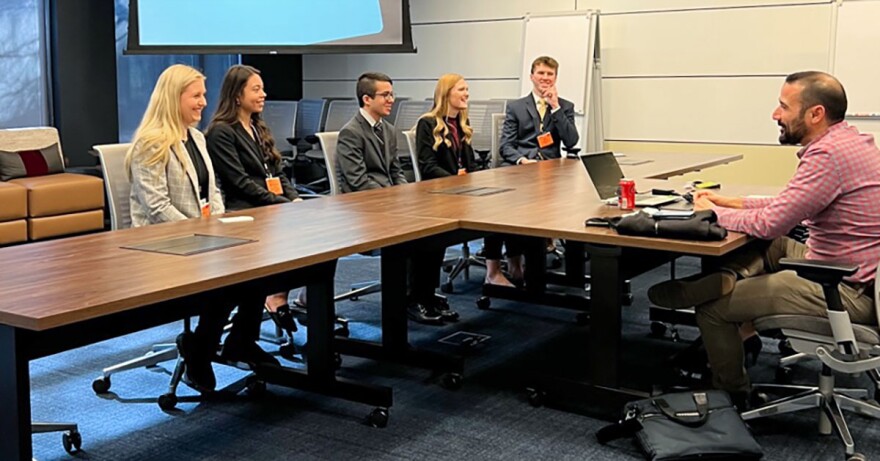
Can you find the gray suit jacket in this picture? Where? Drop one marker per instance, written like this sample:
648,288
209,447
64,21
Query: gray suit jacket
519,137
163,193
361,162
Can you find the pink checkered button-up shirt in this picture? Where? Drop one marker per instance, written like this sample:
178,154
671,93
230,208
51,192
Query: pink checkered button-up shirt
835,192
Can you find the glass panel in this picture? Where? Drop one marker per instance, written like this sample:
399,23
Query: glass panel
137,74
22,84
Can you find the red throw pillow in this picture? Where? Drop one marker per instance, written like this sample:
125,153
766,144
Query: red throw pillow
29,163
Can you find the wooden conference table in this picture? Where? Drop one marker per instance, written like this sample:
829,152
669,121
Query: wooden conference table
64,294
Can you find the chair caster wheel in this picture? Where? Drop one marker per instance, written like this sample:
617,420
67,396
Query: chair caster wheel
536,397
167,402
784,375
337,360
857,457
72,442
484,302
658,330
451,381
378,418
582,319
447,288
101,385
288,351
342,331
255,387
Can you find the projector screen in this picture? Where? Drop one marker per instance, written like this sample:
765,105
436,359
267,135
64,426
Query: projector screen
269,26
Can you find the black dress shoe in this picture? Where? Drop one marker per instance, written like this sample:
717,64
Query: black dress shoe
423,313
441,306
198,372
283,317
247,352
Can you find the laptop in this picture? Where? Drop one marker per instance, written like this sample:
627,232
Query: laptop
605,173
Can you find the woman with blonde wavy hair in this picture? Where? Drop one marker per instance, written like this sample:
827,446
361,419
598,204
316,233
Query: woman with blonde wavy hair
443,142
172,179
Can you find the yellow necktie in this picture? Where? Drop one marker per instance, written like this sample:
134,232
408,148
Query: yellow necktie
542,111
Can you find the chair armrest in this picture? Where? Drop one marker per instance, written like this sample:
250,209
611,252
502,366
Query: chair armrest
312,139
822,272
572,150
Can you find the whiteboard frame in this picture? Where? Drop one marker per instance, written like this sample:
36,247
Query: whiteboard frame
592,135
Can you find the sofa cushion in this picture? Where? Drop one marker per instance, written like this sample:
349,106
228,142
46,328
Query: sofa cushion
62,193
74,223
31,162
13,202
13,232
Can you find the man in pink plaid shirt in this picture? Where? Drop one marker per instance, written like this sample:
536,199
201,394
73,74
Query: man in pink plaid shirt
835,192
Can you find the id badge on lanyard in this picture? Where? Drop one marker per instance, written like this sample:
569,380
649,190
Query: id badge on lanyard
205,207
273,183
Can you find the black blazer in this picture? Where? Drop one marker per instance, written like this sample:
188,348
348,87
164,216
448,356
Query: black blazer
519,137
442,162
242,169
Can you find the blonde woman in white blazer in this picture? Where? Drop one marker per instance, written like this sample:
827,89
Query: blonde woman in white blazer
172,179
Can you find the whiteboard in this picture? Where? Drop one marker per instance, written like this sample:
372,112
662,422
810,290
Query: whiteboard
566,38
857,55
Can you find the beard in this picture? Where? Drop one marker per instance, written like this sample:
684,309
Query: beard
792,133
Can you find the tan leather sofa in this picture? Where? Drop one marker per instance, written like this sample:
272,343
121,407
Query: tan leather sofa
13,211
58,203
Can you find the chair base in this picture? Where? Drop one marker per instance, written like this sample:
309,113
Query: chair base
832,402
71,439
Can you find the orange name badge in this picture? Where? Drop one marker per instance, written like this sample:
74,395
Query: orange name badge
206,208
274,185
462,171
545,140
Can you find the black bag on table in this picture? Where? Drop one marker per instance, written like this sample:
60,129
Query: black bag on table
703,225
686,426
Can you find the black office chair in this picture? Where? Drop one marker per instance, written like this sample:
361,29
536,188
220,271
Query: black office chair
840,345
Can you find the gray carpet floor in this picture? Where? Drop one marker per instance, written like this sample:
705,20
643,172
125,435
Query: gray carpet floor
488,418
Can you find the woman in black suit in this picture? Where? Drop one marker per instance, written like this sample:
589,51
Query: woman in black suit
245,158
443,143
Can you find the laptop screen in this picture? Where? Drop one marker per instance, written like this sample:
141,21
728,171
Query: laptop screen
604,171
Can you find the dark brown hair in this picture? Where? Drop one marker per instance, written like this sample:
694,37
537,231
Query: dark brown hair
227,109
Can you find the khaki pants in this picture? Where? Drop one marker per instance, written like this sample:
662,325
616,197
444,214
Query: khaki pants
765,290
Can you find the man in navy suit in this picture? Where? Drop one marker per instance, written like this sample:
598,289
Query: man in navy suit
536,125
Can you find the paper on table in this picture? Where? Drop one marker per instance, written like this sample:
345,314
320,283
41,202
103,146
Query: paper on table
233,219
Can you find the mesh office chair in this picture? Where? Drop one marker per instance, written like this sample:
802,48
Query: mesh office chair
328,146
405,119
481,115
280,116
840,345
118,188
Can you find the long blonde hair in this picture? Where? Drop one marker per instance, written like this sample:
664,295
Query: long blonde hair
445,84
162,125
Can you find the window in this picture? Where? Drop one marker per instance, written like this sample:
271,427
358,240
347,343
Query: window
137,74
23,94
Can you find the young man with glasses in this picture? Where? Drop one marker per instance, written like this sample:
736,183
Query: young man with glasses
366,155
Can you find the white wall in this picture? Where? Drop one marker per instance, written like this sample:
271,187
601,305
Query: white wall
674,71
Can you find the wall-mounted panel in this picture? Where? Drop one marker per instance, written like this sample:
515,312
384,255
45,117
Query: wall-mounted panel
720,110
743,41
631,6
470,10
474,49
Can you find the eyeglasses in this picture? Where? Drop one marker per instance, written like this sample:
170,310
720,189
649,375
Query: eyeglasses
386,95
